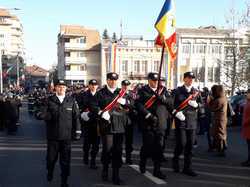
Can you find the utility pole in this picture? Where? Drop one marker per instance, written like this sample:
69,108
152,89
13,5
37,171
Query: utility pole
17,70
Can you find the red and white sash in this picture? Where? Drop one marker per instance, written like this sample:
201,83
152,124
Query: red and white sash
114,102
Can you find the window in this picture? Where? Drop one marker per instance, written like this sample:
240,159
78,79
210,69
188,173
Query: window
210,74
1,35
67,67
67,54
186,48
144,66
83,40
137,66
217,74
80,54
156,66
83,67
124,66
66,40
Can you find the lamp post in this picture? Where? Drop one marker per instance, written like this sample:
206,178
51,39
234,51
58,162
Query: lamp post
1,72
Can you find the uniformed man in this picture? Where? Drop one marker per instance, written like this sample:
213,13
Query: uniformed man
91,137
185,130
60,114
129,128
152,110
113,119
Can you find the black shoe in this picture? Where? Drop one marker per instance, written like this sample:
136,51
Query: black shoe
175,166
64,185
189,172
49,176
142,167
159,175
246,163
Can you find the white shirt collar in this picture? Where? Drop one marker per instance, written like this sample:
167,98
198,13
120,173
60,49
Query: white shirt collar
60,97
112,90
93,93
188,88
154,89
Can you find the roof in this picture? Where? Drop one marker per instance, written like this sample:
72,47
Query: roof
36,71
4,13
210,30
92,36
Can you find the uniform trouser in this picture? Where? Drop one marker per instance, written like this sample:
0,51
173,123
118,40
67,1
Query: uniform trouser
90,139
112,150
61,148
129,132
184,141
11,125
152,146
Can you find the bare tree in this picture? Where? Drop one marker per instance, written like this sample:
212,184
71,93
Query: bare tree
236,48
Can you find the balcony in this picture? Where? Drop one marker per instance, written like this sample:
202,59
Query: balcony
76,46
75,75
78,60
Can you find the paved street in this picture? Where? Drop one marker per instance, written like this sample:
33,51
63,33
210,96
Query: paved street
22,163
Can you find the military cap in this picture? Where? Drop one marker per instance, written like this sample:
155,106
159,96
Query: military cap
112,76
153,76
189,74
60,82
93,82
126,82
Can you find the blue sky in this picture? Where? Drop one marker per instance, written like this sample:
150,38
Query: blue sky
41,19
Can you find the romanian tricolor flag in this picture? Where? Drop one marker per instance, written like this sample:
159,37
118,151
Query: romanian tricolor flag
165,25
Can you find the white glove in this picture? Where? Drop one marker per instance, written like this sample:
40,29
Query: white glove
106,116
122,101
180,116
193,103
85,116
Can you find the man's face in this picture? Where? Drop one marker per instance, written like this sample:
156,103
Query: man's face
152,83
61,89
111,83
93,87
188,81
125,87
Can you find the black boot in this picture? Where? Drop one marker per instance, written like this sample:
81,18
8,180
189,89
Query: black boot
188,169
49,176
175,165
115,176
64,182
157,172
85,159
142,165
93,164
105,172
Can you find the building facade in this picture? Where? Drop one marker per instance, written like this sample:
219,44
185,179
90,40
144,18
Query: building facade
207,51
11,48
79,54
132,58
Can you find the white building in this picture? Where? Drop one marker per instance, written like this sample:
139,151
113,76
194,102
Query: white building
79,57
206,52
11,34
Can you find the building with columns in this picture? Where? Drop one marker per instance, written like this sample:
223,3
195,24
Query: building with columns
132,58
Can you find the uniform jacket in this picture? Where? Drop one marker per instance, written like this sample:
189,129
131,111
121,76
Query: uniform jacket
61,118
118,115
160,109
246,121
191,113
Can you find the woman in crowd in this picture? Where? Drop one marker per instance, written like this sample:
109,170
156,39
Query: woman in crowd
217,103
246,127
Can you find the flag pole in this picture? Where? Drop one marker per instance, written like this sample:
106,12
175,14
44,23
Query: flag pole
160,68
